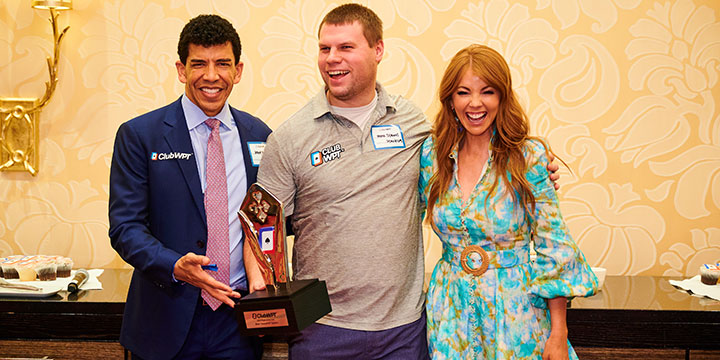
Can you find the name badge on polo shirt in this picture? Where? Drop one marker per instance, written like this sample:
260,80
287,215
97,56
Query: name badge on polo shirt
387,137
256,149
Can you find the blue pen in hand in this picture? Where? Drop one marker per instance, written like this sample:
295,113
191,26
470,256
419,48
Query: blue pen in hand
211,267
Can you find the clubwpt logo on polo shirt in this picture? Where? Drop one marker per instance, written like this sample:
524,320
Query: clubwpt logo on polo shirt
325,155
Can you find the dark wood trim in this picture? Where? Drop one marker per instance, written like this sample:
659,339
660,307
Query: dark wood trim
616,318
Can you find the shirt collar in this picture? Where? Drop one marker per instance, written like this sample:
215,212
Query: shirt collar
194,116
321,106
454,152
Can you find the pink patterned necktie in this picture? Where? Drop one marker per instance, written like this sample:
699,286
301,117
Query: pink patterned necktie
216,211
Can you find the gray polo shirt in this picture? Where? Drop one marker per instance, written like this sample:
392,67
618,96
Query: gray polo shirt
353,197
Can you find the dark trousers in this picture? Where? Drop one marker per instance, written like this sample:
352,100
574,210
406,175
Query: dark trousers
328,342
215,335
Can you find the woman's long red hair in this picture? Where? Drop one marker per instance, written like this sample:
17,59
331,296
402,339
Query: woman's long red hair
510,127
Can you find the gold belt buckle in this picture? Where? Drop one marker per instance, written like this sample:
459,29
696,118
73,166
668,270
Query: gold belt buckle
483,254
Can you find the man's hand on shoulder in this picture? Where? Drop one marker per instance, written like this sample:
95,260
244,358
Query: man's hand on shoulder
552,170
189,269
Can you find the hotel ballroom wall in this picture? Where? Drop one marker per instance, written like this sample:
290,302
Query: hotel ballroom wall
626,91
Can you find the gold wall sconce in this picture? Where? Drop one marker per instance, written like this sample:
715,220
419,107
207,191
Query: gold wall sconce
19,132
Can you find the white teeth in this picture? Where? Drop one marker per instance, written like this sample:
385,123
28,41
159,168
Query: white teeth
337,72
476,116
211,91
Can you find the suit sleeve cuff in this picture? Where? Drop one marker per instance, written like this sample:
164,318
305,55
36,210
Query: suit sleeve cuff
172,274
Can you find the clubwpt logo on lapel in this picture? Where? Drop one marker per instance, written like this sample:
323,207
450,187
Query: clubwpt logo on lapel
326,155
170,156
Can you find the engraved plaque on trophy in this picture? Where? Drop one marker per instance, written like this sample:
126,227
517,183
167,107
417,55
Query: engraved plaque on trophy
284,306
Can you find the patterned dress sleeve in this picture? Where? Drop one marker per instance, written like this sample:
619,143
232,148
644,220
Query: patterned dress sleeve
426,170
560,268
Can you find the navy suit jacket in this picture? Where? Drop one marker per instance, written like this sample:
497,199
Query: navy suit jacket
157,214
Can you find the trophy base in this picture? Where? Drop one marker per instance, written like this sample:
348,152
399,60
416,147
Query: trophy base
283,309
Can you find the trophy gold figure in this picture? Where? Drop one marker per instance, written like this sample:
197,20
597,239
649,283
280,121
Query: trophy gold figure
285,306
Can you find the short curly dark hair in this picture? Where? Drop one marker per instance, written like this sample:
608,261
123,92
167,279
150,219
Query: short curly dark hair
208,30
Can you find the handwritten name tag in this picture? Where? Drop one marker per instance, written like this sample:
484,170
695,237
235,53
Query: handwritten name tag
387,137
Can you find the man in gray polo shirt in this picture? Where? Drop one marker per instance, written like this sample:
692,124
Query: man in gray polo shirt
346,168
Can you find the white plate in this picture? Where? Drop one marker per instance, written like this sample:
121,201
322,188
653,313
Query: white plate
51,287
697,287
45,291
47,288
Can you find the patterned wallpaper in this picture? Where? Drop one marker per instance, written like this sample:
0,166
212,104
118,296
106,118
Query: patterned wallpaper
625,90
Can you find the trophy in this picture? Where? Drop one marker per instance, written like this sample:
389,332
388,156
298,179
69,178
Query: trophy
284,306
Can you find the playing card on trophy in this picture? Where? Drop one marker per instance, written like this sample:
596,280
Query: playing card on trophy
284,306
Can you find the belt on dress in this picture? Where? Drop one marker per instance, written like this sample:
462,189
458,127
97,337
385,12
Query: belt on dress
489,259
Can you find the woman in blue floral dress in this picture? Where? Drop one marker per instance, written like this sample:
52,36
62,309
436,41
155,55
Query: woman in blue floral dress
489,199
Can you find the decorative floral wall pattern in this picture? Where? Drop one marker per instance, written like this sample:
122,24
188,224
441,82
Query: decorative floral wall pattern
626,91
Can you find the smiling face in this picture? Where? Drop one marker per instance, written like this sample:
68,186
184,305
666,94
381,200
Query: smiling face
348,64
209,75
476,105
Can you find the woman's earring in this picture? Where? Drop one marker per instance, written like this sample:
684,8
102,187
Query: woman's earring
457,121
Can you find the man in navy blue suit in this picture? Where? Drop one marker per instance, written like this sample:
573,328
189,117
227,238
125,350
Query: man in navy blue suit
157,212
